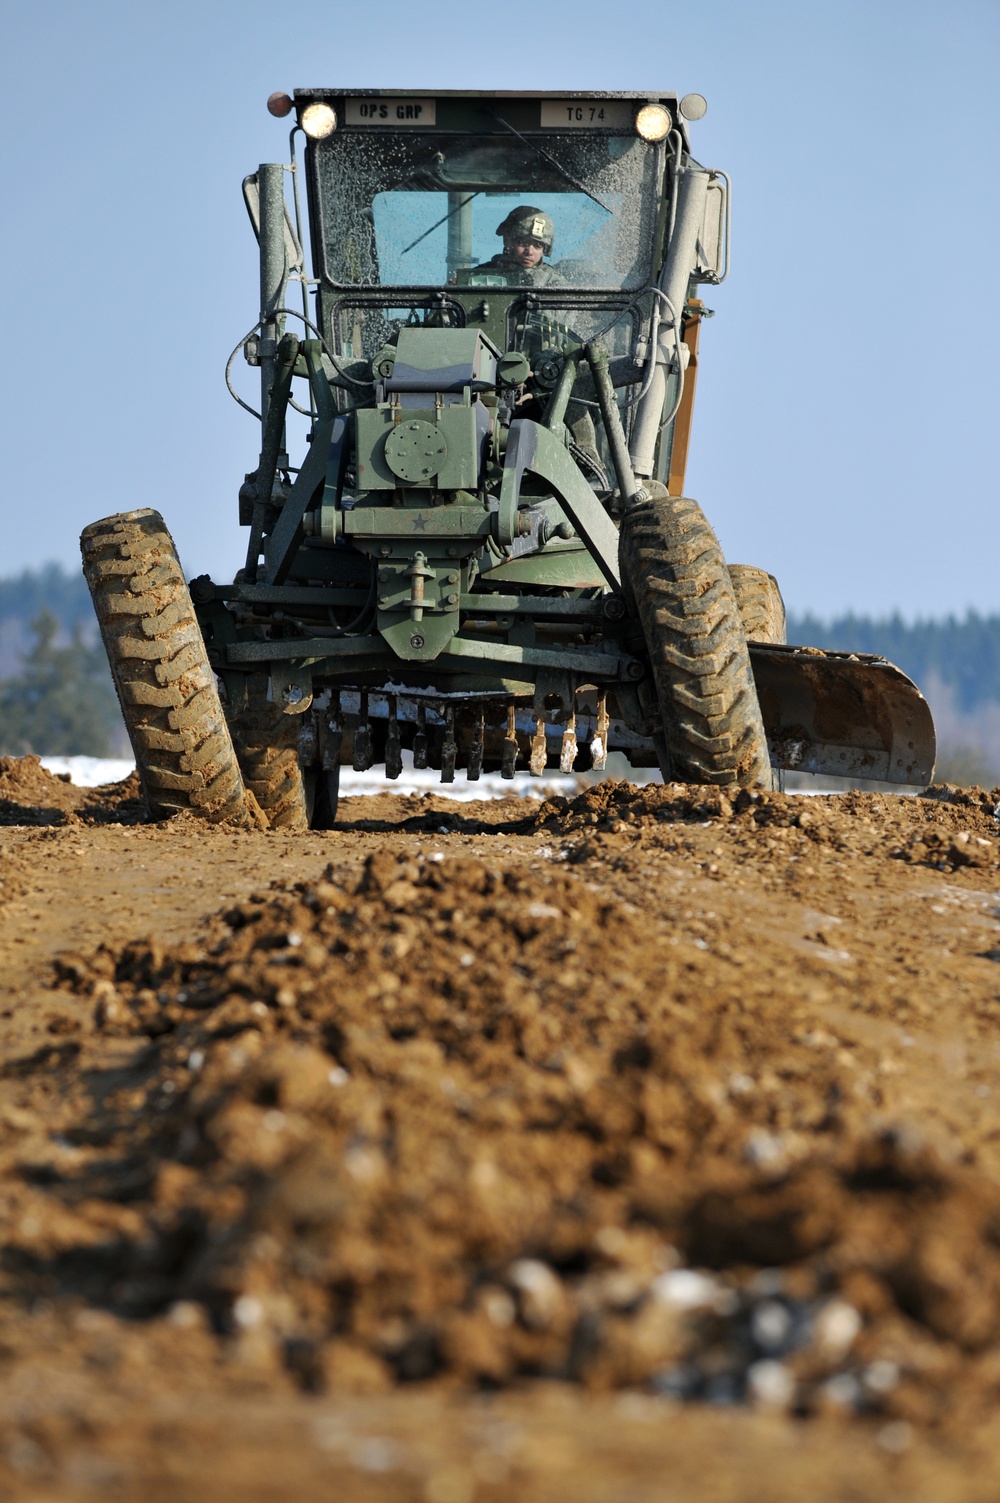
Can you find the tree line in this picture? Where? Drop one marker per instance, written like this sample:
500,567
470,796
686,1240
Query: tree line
962,653
58,698
49,588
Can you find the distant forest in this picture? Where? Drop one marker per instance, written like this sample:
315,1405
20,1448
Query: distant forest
49,588
56,695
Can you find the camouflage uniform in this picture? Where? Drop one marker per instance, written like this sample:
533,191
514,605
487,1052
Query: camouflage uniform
532,224
522,276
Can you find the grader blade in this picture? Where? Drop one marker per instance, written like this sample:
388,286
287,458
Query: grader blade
843,714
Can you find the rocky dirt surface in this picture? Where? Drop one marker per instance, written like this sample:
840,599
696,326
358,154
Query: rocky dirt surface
639,1144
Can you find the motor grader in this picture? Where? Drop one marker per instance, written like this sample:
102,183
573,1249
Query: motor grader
484,557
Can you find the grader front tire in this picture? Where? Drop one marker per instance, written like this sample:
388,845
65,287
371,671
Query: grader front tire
675,572
165,684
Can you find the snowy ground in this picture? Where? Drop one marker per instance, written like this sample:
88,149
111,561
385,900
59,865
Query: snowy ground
92,772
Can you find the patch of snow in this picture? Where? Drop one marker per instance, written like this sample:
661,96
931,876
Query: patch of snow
90,772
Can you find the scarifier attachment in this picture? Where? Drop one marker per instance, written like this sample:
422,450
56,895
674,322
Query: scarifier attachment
509,758
599,740
420,747
476,750
393,748
568,749
334,734
364,755
449,748
307,746
539,749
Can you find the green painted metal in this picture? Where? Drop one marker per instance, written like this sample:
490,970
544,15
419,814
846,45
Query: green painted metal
555,412
597,359
271,446
418,604
412,523
452,527
600,666
420,447
288,531
241,593
239,654
555,568
533,449
444,360
544,607
590,666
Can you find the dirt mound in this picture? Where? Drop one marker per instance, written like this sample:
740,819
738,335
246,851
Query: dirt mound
946,827
460,1121
30,795
114,803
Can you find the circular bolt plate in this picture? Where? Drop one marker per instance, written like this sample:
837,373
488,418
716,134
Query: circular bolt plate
415,451
548,371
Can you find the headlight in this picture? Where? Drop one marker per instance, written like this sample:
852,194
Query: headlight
319,121
653,122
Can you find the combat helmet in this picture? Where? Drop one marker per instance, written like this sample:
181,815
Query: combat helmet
530,221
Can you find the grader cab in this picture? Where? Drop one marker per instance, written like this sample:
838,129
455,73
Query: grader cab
484,557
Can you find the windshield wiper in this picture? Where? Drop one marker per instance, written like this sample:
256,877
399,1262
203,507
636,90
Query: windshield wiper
443,220
574,182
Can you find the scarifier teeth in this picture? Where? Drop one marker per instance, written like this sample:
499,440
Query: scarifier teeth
363,753
308,742
539,749
599,740
420,739
509,760
334,735
449,750
476,750
567,751
393,750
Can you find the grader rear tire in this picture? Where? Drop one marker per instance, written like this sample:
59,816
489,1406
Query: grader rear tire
267,751
760,605
675,572
165,684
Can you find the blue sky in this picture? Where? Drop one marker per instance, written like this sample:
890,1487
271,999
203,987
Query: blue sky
845,430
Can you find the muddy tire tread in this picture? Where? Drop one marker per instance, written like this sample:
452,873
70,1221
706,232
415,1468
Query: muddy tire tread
701,667
165,684
759,602
266,747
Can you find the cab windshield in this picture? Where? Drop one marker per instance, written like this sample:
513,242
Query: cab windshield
424,211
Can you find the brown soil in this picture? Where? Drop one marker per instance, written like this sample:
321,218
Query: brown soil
497,1150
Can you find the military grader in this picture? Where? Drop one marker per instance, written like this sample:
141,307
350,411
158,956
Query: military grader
484,557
